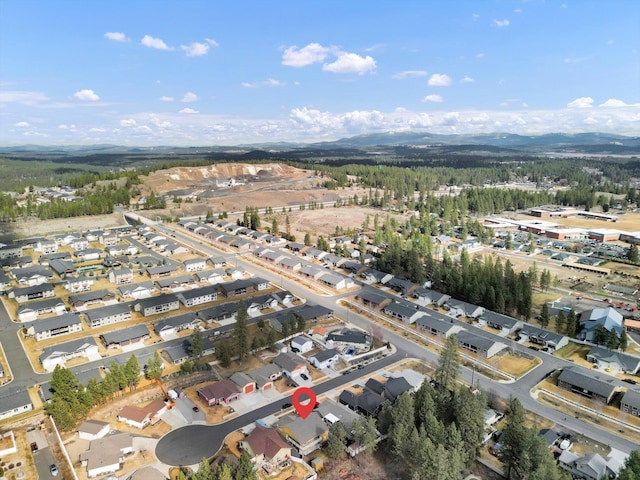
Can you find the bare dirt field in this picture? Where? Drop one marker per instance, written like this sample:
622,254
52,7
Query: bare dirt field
36,228
628,222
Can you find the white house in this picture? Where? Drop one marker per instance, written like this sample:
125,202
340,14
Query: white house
325,358
93,429
107,454
301,344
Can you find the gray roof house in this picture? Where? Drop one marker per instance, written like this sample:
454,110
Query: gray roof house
426,296
305,434
98,317
126,336
630,402
482,346
617,361
265,376
14,403
173,325
60,353
503,323
199,296
372,300
404,311
64,324
585,383
155,305
459,308
290,364
543,337
438,325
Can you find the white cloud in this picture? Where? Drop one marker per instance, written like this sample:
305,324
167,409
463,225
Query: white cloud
582,102
22,125
22,97
501,23
86,95
129,122
475,17
409,74
116,36
269,82
301,57
351,63
439,80
479,55
467,79
196,49
164,98
432,98
212,42
188,111
151,42
518,10
189,97
71,128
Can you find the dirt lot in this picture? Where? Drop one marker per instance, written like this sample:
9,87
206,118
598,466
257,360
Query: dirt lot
38,228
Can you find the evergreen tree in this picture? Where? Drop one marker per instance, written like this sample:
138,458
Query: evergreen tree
544,315
571,324
204,471
336,442
468,413
631,469
223,354
448,369
560,322
402,425
131,372
154,367
307,239
632,254
240,331
274,227
515,441
370,435
196,342
244,468
624,341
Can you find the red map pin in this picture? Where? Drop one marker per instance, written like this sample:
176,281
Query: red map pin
304,409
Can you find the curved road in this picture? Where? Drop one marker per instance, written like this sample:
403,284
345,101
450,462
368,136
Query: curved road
190,444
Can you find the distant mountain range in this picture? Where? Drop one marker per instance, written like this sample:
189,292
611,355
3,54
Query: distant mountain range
495,143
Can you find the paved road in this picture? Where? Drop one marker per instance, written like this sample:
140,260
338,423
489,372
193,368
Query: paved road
190,444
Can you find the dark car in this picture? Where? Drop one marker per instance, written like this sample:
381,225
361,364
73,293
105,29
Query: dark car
360,367
286,405
34,447
195,409
315,407
304,376
629,380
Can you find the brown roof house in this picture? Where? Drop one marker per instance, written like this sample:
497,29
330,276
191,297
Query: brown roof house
267,449
222,392
140,417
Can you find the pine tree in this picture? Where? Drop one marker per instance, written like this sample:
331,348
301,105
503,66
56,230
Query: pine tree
196,342
571,324
544,315
336,442
631,468
632,254
560,322
274,227
240,332
515,441
307,239
448,369
402,425
244,468
223,354
204,471
624,341
154,367
131,372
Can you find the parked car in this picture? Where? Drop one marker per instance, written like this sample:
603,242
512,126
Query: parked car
34,447
286,405
53,469
195,409
629,380
304,376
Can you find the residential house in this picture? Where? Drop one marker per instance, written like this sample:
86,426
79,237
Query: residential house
301,344
93,429
630,402
84,300
585,383
607,317
425,296
405,312
505,324
5,282
27,294
134,416
35,275
165,302
353,267
221,392
367,403
292,264
64,324
62,352
325,358
437,324
539,336
161,271
168,327
47,246
315,313
137,290
396,386
235,273
198,296
121,276
266,448
146,473
237,287
107,454
177,354
372,300
32,311
349,338
62,267
218,262
265,376
482,346
614,360
335,281
108,239
415,379
458,308
218,313
194,265
404,287
126,336
332,412
88,254
99,317
305,434
591,466
211,276
11,250
244,382
312,271
78,284
376,276
14,403
290,364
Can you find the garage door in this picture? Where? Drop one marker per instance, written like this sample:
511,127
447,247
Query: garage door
267,386
248,389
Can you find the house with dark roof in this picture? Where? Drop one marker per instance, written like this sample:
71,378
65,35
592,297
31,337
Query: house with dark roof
503,323
222,392
177,354
62,352
425,296
437,324
28,294
265,376
539,336
614,360
458,308
396,386
237,287
109,315
630,402
349,338
91,298
107,454
403,311
483,346
218,262
62,267
165,302
161,271
607,317
32,311
325,358
315,313
245,383
376,276
367,403
217,313
305,434
64,324
404,287
198,296
14,403
126,336
290,364
372,300
585,383
5,281
194,264
591,466
180,282
267,449
11,250
170,326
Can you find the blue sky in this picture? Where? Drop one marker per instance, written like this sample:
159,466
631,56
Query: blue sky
233,72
